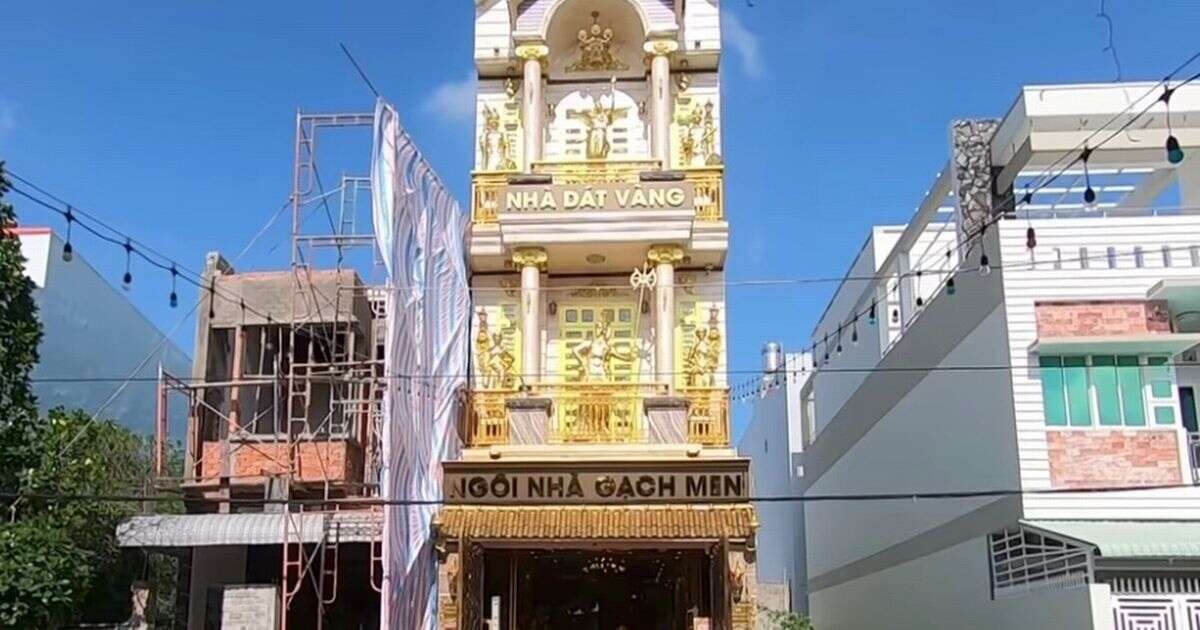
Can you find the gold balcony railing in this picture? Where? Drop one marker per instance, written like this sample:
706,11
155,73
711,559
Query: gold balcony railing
709,182
487,417
708,415
598,412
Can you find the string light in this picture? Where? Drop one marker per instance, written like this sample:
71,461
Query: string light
1089,194
871,315
839,341
174,299
950,290
1174,151
854,332
1030,238
68,252
127,279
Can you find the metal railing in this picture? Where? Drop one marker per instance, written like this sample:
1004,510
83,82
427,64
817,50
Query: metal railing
596,413
709,182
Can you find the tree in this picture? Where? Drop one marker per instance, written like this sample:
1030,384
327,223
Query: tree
59,559
20,333
785,620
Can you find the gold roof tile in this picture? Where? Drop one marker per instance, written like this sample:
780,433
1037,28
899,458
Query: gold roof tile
598,522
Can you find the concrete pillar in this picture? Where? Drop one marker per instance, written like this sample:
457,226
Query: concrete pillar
660,98
665,257
533,101
1189,182
531,261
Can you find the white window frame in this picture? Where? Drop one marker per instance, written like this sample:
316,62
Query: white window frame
1149,401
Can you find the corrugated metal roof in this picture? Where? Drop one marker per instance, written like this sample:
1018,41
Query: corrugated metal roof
1131,539
596,522
202,530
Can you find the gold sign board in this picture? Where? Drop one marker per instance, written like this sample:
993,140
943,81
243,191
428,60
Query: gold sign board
580,197
593,485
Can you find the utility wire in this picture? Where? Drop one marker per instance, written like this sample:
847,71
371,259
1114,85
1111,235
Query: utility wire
784,498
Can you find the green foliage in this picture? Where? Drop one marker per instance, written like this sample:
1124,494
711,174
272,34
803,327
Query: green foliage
784,620
20,333
59,560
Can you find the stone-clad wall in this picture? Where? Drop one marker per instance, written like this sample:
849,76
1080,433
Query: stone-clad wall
1097,458
1102,317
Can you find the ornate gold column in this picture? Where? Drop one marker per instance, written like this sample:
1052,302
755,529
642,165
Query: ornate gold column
660,51
533,102
664,258
531,261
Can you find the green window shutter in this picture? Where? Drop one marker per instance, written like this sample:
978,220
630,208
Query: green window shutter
1075,376
1104,379
1159,376
1053,393
1129,375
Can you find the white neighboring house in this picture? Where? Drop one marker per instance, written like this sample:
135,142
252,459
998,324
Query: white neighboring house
1065,369
90,330
773,441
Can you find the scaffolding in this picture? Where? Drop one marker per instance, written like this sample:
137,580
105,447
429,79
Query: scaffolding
288,406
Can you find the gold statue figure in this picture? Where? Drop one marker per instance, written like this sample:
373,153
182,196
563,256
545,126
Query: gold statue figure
698,137
599,120
704,357
496,363
595,49
495,150
597,355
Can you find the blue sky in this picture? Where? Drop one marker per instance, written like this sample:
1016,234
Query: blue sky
174,121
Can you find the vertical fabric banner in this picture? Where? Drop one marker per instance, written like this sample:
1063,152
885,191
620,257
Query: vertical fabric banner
419,230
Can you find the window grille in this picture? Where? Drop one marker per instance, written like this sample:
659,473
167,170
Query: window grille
1083,258
1151,584
1166,253
1194,253
1139,259
1112,257
1025,560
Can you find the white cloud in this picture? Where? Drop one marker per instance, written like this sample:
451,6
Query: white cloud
744,43
452,101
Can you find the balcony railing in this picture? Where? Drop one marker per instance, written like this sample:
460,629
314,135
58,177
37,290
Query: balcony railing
596,413
709,182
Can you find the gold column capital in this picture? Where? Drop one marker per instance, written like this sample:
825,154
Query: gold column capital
665,254
530,257
533,51
660,47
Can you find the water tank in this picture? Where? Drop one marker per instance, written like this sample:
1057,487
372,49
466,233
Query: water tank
772,357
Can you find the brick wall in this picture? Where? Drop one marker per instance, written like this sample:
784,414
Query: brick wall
336,460
1102,317
1095,458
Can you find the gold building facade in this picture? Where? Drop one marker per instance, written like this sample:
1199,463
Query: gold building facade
597,487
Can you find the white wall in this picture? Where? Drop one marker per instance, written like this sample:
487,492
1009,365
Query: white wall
953,431
1024,285
951,590
92,331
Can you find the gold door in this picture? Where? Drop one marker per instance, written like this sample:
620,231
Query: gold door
599,364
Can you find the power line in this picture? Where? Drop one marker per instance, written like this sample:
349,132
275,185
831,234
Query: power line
786,498
361,73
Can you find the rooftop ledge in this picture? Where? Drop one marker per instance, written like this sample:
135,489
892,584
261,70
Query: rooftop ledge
1164,343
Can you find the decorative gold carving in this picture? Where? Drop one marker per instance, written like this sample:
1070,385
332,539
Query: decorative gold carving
495,147
660,46
510,89
595,49
535,51
597,355
589,172
698,136
710,191
496,362
704,356
596,292
665,254
599,120
708,415
683,81
488,417
530,257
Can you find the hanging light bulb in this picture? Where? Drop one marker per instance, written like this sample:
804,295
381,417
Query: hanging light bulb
854,333
1089,193
1174,151
174,299
985,266
895,316
950,290
127,279
839,341
1030,238
871,315
212,291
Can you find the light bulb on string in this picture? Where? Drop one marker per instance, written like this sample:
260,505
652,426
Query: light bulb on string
127,279
985,266
871,314
839,341
174,298
68,252
854,332
212,292
1089,193
1175,153
950,289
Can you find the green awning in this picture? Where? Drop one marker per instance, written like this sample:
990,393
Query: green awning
1129,539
